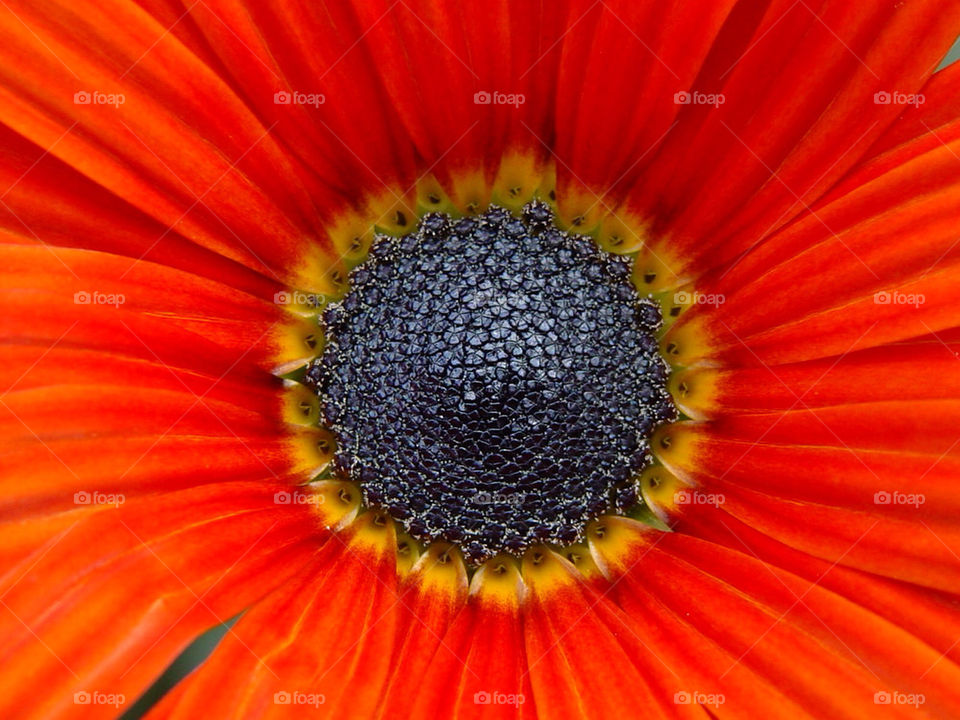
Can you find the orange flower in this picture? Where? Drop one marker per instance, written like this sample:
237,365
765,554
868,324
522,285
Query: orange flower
185,185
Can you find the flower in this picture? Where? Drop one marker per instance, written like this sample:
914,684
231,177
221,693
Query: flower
185,184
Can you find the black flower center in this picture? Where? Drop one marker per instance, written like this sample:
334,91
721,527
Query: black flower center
492,382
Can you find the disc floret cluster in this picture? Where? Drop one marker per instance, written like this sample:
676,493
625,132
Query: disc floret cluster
492,381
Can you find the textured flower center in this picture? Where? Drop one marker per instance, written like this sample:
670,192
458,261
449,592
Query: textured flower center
492,382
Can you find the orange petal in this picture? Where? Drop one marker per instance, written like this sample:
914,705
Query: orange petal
908,372
206,168
430,597
323,643
782,136
788,629
583,655
611,127
932,616
864,513
106,603
479,670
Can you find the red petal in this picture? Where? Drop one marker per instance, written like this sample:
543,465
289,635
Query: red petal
206,168
348,138
106,603
323,643
866,513
784,135
611,126
922,121
430,598
873,266
932,616
788,629
154,361
119,305
480,671
906,372
583,656
48,202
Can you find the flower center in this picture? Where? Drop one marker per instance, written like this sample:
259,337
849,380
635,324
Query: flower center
492,381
